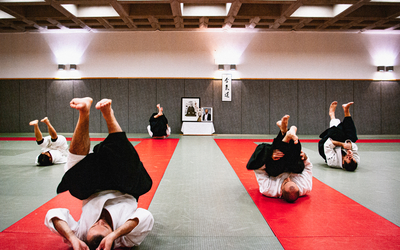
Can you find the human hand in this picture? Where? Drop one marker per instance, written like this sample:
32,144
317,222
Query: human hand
77,244
107,242
277,154
347,145
350,153
303,156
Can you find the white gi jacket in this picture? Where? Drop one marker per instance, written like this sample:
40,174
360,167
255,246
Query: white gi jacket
58,149
271,186
121,207
334,155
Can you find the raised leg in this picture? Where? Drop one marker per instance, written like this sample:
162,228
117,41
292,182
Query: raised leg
108,113
283,124
52,131
291,135
346,109
36,129
160,110
80,143
332,109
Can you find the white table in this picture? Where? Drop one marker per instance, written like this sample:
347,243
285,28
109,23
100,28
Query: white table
197,128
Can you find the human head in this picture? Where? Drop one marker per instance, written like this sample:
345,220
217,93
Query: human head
97,232
45,159
206,111
351,165
290,190
348,161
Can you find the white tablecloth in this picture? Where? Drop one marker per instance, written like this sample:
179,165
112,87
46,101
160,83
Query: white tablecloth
197,128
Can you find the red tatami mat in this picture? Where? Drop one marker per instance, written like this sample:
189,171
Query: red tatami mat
31,233
255,140
324,219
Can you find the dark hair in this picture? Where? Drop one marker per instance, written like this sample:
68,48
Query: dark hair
350,166
94,243
44,160
290,196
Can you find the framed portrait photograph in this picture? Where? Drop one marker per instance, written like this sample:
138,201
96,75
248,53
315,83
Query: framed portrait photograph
191,109
207,114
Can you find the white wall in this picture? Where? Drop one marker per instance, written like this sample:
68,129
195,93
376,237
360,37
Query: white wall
287,55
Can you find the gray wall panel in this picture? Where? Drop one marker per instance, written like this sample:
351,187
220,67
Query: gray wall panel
34,106
9,106
59,95
283,100
169,94
142,103
390,107
311,110
227,115
376,109
342,92
89,88
202,88
255,107
118,91
367,107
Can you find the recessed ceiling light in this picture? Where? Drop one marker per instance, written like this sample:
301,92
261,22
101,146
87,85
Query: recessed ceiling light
386,1
320,11
205,9
22,1
4,15
90,11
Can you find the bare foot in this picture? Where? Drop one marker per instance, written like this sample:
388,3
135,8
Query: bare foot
347,105
332,110
291,135
346,108
160,110
34,122
81,104
283,123
105,106
45,120
108,113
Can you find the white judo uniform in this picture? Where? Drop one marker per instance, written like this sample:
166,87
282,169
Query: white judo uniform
57,149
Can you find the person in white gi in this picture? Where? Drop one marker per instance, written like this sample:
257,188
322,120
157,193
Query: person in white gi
275,187
337,145
54,147
109,181
287,185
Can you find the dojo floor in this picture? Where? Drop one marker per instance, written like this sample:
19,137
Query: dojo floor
200,202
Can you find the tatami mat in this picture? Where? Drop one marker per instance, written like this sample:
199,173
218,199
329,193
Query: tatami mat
30,230
201,203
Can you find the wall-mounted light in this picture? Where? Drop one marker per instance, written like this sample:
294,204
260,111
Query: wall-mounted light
381,68
222,66
67,67
389,68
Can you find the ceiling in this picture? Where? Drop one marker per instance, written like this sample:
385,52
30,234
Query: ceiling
192,15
